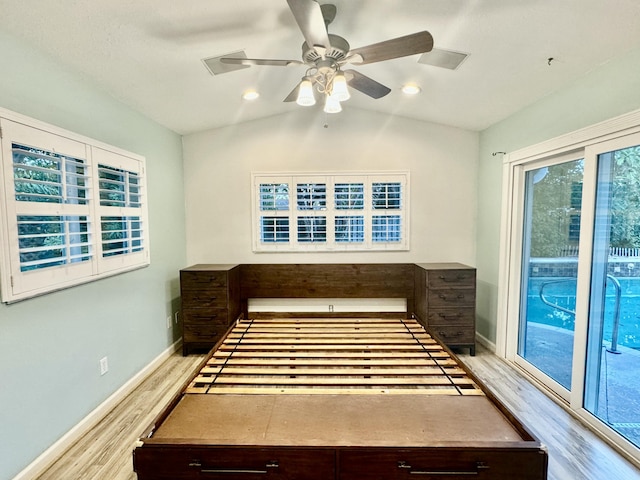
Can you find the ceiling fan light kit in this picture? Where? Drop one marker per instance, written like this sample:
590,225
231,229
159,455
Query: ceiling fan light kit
325,54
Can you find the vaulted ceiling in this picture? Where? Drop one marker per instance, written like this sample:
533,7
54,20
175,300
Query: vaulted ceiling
148,53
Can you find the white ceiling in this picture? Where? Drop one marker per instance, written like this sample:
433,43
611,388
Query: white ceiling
147,53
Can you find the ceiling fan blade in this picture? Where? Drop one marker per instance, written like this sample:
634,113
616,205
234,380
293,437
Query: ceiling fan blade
310,19
293,96
366,85
259,61
420,42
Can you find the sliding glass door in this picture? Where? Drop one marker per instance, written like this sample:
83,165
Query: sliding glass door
573,305
612,380
553,196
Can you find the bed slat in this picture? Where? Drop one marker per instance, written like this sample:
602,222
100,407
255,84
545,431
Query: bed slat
336,356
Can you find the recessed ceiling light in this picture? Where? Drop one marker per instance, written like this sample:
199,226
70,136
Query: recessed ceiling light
250,95
411,89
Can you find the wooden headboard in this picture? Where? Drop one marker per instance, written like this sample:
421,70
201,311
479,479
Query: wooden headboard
384,280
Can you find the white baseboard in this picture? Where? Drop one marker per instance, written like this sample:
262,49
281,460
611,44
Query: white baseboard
486,343
51,454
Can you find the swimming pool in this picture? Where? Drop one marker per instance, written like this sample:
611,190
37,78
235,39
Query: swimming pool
561,292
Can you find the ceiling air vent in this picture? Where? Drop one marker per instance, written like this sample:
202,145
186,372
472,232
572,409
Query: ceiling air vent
443,58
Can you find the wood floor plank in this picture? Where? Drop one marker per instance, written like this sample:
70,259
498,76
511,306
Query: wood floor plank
104,453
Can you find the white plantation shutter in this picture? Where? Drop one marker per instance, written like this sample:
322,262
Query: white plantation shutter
121,211
330,212
72,210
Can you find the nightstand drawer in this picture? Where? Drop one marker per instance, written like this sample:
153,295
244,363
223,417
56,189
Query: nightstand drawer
453,335
452,297
460,316
210,297
201,333
205,316
451,278
199,280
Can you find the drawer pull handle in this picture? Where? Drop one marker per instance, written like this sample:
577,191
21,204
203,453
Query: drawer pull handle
270,464
450,279
447,335
222,470
459,296
442,473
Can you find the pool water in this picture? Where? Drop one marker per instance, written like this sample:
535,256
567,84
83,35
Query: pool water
561,292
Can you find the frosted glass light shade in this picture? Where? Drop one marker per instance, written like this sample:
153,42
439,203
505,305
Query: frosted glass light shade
340,90
305,94
332,105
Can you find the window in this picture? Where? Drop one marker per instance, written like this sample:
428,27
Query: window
324,212
72,210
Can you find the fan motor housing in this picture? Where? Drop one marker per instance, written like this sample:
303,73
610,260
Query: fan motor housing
337,51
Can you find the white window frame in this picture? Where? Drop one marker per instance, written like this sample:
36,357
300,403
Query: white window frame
16,284
330,212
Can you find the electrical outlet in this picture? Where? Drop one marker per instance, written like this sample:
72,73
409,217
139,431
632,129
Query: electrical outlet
331,308
104,365
169,321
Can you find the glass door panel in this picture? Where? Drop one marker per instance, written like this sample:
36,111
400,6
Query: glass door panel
553,196
612,383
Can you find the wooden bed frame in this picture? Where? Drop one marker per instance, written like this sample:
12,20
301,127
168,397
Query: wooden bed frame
366,398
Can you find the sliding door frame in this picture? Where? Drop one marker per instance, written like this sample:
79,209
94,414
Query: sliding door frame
586,143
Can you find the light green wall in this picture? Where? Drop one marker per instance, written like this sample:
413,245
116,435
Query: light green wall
606,92
50,346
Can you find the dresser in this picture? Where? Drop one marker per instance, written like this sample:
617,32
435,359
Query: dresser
210,303
445,302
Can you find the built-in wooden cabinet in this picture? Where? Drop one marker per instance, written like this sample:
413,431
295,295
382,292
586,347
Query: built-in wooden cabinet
210,303
441,296
446,301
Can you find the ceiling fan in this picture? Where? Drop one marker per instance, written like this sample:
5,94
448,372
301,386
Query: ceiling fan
325,54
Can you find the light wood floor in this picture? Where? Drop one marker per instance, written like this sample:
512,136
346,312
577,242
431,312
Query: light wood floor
105,452
575,453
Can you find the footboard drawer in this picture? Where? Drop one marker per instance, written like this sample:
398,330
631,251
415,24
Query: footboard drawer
242,463
442,463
